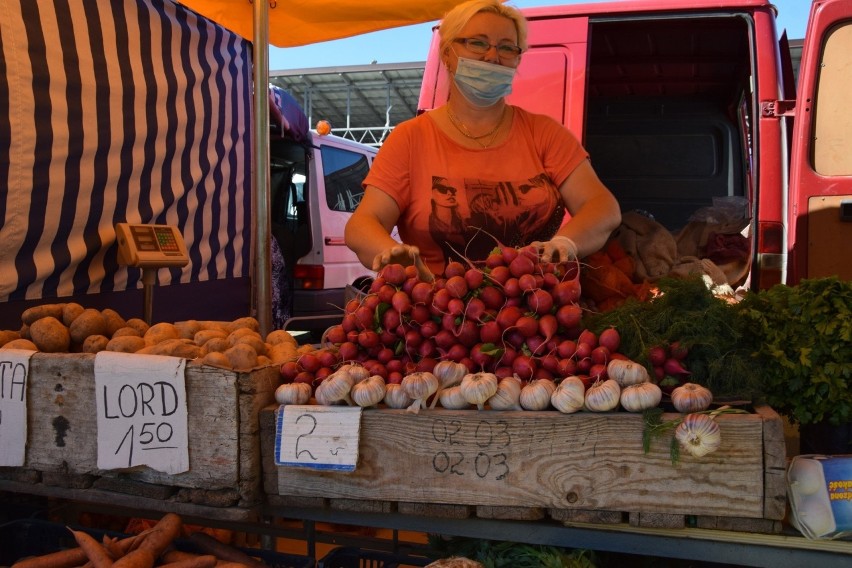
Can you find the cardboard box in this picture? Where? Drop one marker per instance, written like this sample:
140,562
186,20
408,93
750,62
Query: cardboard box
577,467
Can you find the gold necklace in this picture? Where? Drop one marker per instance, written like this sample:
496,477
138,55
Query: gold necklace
478,139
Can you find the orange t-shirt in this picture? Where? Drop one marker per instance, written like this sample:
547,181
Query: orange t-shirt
456,201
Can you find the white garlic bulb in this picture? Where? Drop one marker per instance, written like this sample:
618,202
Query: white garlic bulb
419,386
293,393
395,396
335,388
355,371
452,398
569,396
449,373
508,395
536,394
603,396
369,392
626,372
477,388
641,396
691,397
698,434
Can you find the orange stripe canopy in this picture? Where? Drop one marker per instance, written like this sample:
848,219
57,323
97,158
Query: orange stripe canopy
301,22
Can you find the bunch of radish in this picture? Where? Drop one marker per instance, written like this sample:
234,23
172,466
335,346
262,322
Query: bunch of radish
509,315
668,364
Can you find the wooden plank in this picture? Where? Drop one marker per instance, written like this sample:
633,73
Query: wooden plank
362,506
439,510
657,520
584,516
223,425
543,459
267,423
510,513
738,524
774,463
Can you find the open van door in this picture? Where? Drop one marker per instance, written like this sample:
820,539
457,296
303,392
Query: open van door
820,201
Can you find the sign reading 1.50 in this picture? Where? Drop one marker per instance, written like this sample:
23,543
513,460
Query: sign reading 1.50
472,449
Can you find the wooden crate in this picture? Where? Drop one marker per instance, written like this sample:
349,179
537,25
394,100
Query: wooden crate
584,467
223,426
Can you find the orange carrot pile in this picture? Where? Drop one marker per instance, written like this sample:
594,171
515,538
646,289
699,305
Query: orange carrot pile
608,277
153,547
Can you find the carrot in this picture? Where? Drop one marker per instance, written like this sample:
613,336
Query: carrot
139,558
229,554
171,556
95,551
62,559
162,534
202,561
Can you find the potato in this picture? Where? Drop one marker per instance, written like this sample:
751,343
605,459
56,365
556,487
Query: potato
160,332
114,321
242,357
50,335
95,344
188,329
247,322
205,335
89,322
8,335
187,350
25,332
70,311
217,344
263,361
139,325
280,336
217,359
282,352
21,344
37,312
126,331
125,344
241,332
255,341
217,325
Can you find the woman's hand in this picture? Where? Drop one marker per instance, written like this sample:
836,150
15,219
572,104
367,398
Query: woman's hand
405,255
557,249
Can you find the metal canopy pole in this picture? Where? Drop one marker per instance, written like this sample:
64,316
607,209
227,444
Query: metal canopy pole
260,187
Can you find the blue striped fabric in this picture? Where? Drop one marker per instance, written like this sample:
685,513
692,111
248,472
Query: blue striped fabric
127,110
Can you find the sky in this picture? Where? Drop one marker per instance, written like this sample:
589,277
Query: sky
411,43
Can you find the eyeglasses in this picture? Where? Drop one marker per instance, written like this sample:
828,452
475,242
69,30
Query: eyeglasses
481,47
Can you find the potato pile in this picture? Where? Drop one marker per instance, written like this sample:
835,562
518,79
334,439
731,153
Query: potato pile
71,328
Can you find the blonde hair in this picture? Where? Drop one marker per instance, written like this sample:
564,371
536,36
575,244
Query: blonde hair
457,18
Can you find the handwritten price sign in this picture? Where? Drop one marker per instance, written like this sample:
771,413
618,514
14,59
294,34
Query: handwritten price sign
14,369
318,437
142,414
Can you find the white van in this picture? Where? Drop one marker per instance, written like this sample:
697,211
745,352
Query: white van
315,185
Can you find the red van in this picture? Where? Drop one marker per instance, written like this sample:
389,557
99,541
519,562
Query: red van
689,110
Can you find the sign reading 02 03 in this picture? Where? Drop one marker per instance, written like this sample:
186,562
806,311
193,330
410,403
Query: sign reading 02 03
466,448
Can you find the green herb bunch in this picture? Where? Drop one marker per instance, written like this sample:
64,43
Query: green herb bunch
499,554
801,337
688,313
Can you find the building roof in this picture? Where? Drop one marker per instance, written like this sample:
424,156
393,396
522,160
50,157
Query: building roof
362,102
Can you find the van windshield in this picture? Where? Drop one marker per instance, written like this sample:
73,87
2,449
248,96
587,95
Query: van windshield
344,171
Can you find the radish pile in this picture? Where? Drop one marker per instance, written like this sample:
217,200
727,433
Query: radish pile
511,315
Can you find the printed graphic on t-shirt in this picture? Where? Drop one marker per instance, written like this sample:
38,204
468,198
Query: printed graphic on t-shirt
472,216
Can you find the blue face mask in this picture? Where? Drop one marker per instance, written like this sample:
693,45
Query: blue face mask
483,83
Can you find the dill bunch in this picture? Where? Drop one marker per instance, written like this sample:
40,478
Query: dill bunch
688,313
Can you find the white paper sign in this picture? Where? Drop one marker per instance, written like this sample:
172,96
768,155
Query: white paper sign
318,437
142,416
14,371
